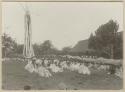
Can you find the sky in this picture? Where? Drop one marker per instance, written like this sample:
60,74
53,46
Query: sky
64,23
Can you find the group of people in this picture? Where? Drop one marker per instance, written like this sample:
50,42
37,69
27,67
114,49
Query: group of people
46,67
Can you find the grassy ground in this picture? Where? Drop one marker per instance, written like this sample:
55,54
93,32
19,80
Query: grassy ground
15,77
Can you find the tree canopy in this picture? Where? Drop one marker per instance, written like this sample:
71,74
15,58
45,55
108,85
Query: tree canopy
106,41
8,45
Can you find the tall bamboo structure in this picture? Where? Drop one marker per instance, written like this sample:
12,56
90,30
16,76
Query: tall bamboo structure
28,51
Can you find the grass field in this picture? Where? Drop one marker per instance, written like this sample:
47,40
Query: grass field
15,77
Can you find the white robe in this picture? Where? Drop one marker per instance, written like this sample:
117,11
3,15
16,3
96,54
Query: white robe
55,68
29,67
43,72
74,67
64,65
84,70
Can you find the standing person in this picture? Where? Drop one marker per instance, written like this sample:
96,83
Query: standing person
34,62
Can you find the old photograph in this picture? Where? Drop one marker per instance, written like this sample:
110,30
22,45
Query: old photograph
62,45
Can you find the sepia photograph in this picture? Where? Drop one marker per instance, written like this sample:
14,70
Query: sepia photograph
62,46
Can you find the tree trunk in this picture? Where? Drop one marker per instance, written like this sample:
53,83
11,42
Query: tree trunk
112,67
112,52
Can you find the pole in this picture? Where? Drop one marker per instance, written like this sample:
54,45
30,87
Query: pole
28,51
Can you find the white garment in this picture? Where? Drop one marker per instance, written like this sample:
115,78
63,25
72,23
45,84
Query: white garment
74,67
30,67
84,69
71,67
46,62
103,67
56,61
55,68
38,61
43,72
119,72
90,65
64,65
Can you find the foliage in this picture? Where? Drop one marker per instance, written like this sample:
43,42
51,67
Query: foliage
45,48
8,45
66,50
106,40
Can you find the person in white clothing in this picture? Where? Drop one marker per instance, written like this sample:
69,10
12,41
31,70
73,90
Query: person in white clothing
84,69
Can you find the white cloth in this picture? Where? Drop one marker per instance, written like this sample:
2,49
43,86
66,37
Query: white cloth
84,70
103,67
43,72
74,67
56,61
55,68
64,65
90,65
38,61
46,62
119,72
29,67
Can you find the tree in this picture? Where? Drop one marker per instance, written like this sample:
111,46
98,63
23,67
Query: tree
104,41
118,53
66,50
37,50
91,41
19,49
8,45
46,47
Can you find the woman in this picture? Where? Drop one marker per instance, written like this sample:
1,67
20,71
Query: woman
31,65
84,69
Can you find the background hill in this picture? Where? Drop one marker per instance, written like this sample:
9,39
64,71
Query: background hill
81,46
